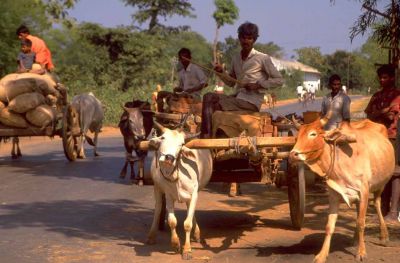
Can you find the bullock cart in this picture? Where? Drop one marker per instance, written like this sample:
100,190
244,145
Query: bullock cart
35,105
249,147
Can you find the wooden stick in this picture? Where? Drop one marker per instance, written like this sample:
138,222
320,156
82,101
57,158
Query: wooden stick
224,75
230,143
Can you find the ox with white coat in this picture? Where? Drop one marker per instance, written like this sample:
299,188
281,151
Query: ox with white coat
356,160
179,173
87,112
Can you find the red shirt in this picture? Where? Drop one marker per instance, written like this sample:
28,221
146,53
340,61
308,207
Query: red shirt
43,54
383,99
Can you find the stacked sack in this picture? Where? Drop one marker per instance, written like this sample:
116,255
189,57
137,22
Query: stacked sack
28,99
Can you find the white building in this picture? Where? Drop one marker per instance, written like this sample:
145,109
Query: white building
311,76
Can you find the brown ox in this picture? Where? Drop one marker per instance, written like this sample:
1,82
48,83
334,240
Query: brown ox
356,159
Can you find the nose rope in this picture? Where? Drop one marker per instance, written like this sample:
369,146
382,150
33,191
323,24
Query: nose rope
175,167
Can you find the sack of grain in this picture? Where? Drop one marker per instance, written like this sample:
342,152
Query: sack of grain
11,119
13,85
41,116
25,102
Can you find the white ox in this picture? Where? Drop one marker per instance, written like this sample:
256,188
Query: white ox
87,111
356,160
179,173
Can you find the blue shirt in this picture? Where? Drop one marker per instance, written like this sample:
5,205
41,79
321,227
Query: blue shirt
27,59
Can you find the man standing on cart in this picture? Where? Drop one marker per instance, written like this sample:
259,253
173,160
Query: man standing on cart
252,73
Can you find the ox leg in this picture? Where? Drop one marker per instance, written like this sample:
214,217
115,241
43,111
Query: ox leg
195,228
122,174
334,200
188,224
172,222
158,196
234,189
96,136
361,253
384,236
133,176
81,153
15,151
141,171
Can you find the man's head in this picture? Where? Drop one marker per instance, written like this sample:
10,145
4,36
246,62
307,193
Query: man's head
248,34
22,32
386,74
26,45
335,83
185,56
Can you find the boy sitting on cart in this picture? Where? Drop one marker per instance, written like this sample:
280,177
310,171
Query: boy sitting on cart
191,81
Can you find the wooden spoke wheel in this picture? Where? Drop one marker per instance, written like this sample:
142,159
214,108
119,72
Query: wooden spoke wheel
296,194
70,144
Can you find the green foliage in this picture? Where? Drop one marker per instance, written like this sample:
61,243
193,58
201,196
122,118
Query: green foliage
151,10
270,48
226,12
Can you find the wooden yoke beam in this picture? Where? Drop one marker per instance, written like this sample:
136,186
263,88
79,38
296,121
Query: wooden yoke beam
230,143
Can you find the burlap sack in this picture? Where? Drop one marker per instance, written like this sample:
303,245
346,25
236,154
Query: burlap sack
41,116
13,85
25,102
11,119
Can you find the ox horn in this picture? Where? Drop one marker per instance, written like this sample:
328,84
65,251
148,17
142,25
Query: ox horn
158,126
189,137
326,118
297,125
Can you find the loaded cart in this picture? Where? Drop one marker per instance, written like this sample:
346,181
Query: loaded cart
248,147
35,105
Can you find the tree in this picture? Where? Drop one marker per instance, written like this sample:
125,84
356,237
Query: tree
385,25
270,48
226,13
151,10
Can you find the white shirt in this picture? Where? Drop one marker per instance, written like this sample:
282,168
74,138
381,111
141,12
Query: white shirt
192,77
312,89
299,89
256,68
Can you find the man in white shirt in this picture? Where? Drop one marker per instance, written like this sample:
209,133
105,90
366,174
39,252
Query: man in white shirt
252,73
191,80
299,90
312,92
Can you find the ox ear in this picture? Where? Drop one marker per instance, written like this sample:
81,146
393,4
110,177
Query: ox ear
189,137
188,153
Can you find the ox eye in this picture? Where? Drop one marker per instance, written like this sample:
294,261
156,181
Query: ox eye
312,134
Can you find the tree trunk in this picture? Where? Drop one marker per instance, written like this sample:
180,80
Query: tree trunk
215,51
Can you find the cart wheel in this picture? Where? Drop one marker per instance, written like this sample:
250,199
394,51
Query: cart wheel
296,194
69,141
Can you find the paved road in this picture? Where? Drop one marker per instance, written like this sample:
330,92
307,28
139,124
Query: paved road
299,108
55,211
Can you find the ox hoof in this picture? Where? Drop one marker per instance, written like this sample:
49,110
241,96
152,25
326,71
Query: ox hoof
319,259
14,157
140,183
187,255
96,154
361,257
122,176
176,247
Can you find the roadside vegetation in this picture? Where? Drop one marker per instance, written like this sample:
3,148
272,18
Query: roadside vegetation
127,62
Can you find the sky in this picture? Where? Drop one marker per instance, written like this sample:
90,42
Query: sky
290,24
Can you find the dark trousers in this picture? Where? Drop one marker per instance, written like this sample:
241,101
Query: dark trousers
210,105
